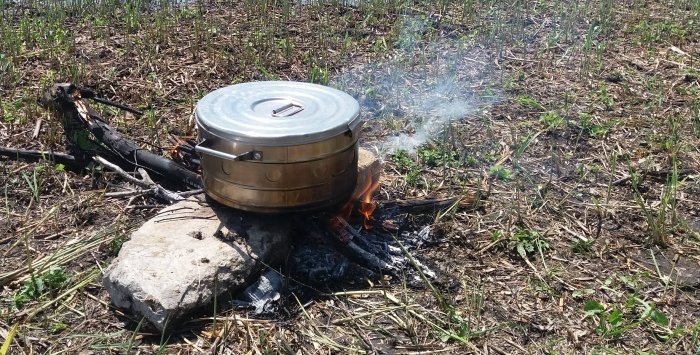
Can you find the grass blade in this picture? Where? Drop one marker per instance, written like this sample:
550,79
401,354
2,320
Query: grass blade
8,341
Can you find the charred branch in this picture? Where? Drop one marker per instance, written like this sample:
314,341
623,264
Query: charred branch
76,116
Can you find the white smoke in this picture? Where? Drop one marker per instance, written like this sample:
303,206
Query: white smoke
421,88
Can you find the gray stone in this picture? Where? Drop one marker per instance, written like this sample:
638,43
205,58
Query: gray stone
190,252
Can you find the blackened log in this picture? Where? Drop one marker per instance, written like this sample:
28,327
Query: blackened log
67,101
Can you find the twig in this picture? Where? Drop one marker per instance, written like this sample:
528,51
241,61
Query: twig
146,183
129,193
118,105
66,100
36,155
37,128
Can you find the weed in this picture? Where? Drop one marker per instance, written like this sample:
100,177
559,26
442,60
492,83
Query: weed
582,246
52,280
10,111
522,146
319,75
115,245
502,173
657,218
595,130
35,181
614,321
551,119
650,32
58,327
528,242
402,160
603,96
497,236
528,102
438,156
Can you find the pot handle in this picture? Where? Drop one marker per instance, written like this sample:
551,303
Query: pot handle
202,149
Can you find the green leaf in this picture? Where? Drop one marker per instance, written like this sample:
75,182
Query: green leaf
444,337
615,318
593,307
521,250
602,327
659,318
10,335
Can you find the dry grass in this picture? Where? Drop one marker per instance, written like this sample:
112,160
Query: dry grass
584,141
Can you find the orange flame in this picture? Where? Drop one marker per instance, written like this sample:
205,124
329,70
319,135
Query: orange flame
363,195
367,206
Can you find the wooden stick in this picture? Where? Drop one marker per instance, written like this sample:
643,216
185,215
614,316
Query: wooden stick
37,128
36,155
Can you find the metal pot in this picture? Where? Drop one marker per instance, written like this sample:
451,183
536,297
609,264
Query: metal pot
278,146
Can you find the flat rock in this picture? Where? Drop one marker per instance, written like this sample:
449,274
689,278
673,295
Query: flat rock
190,252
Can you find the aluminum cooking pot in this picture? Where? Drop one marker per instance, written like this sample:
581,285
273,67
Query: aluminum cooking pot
278,146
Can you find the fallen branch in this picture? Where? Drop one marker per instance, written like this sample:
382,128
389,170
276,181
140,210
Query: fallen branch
145,183
76,116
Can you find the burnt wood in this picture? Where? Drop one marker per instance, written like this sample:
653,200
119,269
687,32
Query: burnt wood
67,101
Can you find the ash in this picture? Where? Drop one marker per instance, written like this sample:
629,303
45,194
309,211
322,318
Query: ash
330,255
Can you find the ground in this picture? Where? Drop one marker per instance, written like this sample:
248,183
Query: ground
576,124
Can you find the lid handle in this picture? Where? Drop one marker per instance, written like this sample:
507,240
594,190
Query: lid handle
287,110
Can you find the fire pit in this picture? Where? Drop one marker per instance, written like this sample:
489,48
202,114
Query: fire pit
278,146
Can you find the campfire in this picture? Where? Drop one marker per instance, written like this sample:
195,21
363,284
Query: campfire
365,238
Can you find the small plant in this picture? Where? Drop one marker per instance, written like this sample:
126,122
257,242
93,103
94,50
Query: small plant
552,119
593,129
116,245
603,96
58,327
529,242
655,32
319,75
402,160
438,156
412,177
10,111
528,102
582,246
502,173
616,320
51,280
657,218
35,181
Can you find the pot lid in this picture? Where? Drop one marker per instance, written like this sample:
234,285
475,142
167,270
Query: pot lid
277,113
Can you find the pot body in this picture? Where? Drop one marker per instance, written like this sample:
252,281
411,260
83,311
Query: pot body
277,172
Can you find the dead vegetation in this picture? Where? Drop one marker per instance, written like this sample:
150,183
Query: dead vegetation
584,140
